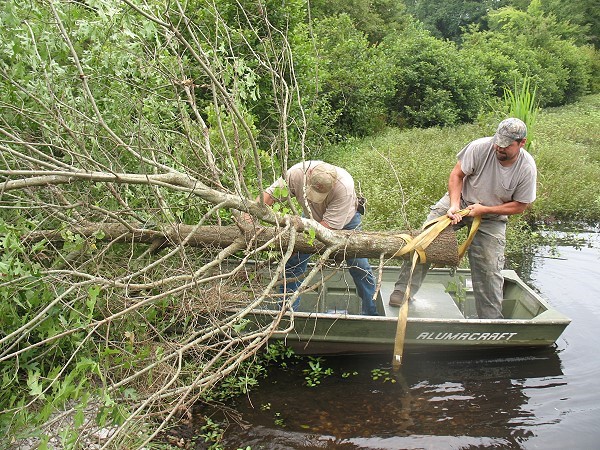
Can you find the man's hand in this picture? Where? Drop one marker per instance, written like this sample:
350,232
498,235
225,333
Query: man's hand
267,199
476,209
452,213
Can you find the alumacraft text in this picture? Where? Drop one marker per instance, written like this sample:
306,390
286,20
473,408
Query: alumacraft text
467,336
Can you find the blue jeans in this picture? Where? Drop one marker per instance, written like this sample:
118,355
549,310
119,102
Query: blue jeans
359,269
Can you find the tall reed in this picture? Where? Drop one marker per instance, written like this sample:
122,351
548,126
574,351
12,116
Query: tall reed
522,104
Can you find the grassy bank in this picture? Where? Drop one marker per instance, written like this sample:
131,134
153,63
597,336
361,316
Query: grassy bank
402,172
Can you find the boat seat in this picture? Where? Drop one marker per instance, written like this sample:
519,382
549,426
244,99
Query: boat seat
432,300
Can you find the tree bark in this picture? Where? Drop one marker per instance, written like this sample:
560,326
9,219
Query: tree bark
368,244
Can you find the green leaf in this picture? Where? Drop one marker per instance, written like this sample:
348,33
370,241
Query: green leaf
99,234
93,293
35,388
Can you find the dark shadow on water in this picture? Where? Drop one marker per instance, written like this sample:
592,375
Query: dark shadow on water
434,401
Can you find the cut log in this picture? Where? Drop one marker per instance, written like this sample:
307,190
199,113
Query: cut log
367,244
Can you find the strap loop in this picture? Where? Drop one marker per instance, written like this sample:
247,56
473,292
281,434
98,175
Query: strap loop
430,231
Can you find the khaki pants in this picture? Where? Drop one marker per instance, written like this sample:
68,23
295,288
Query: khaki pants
486,259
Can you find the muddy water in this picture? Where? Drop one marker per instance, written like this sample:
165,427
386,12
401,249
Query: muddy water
535,400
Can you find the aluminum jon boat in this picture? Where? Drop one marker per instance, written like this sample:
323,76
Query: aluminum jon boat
441,317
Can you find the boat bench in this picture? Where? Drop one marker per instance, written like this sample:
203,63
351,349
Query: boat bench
431,300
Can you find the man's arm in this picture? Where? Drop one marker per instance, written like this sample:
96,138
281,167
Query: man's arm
267,198
506,209
455,184
325,224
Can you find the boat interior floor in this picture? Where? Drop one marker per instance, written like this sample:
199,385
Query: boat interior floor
431,301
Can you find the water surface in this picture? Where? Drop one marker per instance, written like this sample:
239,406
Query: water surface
545,399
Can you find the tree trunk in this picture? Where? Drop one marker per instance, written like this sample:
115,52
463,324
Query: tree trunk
368,244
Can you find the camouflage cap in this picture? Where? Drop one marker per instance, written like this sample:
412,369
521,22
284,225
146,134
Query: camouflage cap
321,180
510,130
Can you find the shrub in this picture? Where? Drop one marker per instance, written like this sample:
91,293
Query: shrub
354,76
592,55
578,66
521,44
506,61
434,85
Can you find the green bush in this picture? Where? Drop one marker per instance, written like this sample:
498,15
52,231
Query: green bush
353,76
521,44
576,61
593,56
506,61
434,85
447,19
376,18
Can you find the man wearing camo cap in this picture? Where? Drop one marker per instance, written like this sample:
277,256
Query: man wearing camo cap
326,194
495,177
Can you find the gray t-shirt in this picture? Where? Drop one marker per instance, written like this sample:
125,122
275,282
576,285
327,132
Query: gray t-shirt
490,183
340,204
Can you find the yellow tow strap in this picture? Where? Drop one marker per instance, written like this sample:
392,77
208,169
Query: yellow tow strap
431,230
417,246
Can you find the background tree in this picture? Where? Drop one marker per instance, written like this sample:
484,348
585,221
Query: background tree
375,18
435,84
447,19
584,13
355,77
530,43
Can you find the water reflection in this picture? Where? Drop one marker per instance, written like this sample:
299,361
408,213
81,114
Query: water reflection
568,416
473,401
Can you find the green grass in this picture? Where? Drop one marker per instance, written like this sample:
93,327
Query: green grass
567,152
403,172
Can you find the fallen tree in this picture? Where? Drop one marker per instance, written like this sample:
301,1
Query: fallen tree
367,244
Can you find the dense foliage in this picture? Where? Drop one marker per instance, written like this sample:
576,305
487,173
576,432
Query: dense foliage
450,18
447,19
434,83
355,76
359,65
438,83
528,43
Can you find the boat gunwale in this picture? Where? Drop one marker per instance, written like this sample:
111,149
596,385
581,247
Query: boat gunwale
359,317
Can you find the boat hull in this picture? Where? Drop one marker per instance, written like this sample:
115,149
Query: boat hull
440,318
